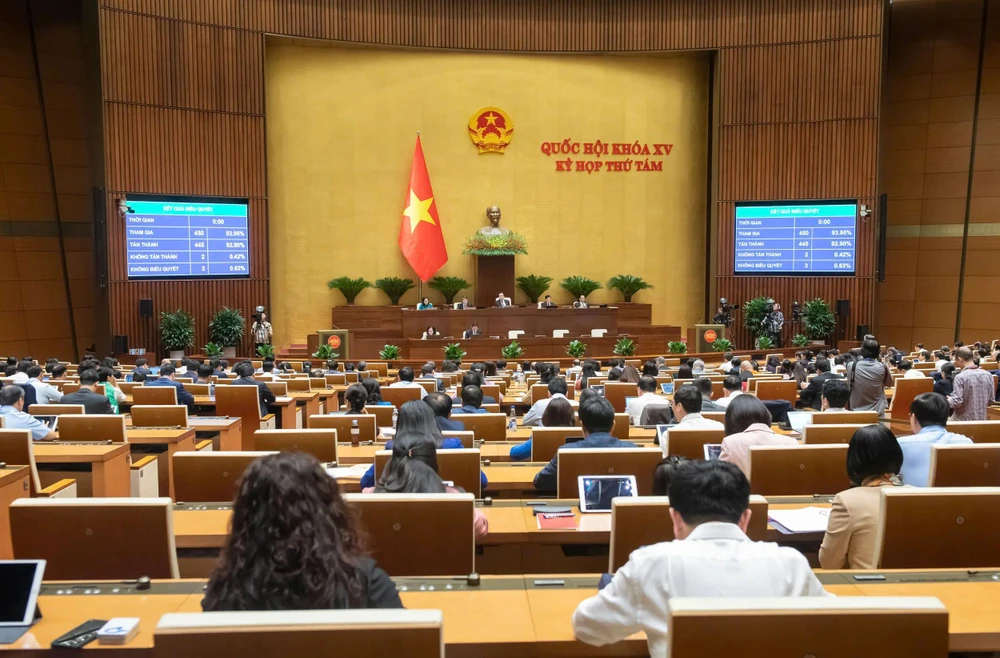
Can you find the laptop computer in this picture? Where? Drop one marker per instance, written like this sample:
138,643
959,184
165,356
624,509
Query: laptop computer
799,419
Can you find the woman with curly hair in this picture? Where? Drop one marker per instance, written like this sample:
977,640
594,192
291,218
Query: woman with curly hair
295,545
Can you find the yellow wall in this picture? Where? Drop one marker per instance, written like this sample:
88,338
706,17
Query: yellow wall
341,124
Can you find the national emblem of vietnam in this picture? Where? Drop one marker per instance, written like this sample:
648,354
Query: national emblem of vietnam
491,129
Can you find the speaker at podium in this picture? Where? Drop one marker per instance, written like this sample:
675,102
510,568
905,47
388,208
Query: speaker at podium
707,334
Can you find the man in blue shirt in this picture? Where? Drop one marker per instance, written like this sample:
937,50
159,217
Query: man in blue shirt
597,417
472,401
166,378
928,417
11,405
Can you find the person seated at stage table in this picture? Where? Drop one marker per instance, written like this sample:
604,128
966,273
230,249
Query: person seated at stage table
581,302
711,555
405,376
441,405
501,301
472,332
424,304
463,305
597,417
928,422
811,394
14,417
473,378
294,544
430,332
874,459
645,391
356,398
244,377
548,303
472,401
748,423
374,390
557,389
836,395
732,388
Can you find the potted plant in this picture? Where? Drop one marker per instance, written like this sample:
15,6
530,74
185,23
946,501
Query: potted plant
818,320
449,286
677,347
722,345
348,287
765,343
389,353
177,332
800,340
625,346
579,285
534,286
212,350
512,351
227,328
394,288
628,285
576,348
266,351
754,311
454,352
325,352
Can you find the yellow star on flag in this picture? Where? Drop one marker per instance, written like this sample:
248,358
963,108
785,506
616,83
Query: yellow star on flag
418,211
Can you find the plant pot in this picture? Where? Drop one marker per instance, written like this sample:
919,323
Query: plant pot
229,352
176,355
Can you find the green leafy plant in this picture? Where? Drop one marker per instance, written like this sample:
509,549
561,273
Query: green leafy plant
534,286
507,243
765,343
512,351
266,351
227,327
449,286
628,285
625,346
580,285
454,352
177,330
348,287
389,352
212,349
754,311
800,340
818,319
394,287
677,347
324,352
722,345
576,348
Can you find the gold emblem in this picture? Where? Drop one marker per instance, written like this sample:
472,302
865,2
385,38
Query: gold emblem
491,129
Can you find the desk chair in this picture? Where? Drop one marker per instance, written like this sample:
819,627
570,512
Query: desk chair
572,463
159,415
198,390
280,389
500,382
57,409
209,477
366,425
778,390
92,428
458,466
844,418
938,528
380,367
243,401
488,427
976,465
643,521
798,470
401,394
335,379
545,441
616,392
690,443
321,444
127,387
299,384
382,413
96,538
492,390
468,439
356,633
902,396
538,392
490,408
435,529
831,627
980,431
318,383
814,434
154,395
620,429
430,385
17,448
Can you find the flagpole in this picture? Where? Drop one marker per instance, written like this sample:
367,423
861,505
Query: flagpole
420,282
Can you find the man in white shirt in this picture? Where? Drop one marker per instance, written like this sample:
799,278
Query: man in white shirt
557,389
732,387
711,556
406,381
21,376
909,372
44,393
646,391
687,410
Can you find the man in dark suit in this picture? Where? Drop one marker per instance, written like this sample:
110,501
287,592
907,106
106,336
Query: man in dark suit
473,378
704,385
244,372
441,405
811,396
548,303
166,378
501,301
473,332
92,401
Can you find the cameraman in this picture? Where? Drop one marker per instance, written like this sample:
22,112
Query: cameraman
261,331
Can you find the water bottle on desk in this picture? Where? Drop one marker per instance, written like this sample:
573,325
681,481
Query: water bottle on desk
395,417
512,423
355,434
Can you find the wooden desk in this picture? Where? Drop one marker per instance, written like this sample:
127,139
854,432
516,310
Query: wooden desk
105,467
163,443
15,482
284,408
308,402
226,432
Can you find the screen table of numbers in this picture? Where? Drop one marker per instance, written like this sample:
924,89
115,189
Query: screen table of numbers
796,238
170,239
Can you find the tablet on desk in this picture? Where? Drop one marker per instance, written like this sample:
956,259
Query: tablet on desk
22,580
599,389
712,451
667,388
52,422
597,491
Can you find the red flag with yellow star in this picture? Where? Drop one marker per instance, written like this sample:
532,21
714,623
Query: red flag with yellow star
420,237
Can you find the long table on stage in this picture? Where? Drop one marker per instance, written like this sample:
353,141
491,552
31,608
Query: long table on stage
498,321
534,348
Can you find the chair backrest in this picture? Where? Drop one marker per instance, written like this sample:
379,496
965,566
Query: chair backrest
321,444
980,431
778,390
335,379
366,425
96,538
620,429
435,529
690,443
209,477
905,391
17,449
717,416
154,395
572,463
616,392
280,389
382,413
57,409
938,528
813,434
91,427
798,470
380,367
963,465
398,395
538,392
488,427
844,418
545,441
242,401
299,384
492,390
429,384
159,415
468,439
762,628
357,633
197,389
637,522
458,466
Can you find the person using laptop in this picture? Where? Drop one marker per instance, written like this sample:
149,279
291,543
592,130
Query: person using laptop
711,556
748,423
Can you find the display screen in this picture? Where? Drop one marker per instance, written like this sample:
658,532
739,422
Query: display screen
182,238
598,492
18,578
796,238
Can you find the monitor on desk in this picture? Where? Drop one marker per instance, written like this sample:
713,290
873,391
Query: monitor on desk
799,419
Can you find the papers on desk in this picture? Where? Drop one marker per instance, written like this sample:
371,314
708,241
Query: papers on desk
282,399
355,471
556,521
797,521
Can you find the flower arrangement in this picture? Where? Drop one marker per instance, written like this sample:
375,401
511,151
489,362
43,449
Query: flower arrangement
506,243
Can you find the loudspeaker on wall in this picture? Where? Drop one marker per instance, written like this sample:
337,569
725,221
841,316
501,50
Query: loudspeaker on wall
145,308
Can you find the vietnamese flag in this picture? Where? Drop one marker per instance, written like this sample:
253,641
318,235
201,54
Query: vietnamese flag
420,237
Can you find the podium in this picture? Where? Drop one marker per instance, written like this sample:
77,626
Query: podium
707,334
494,274
338,339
